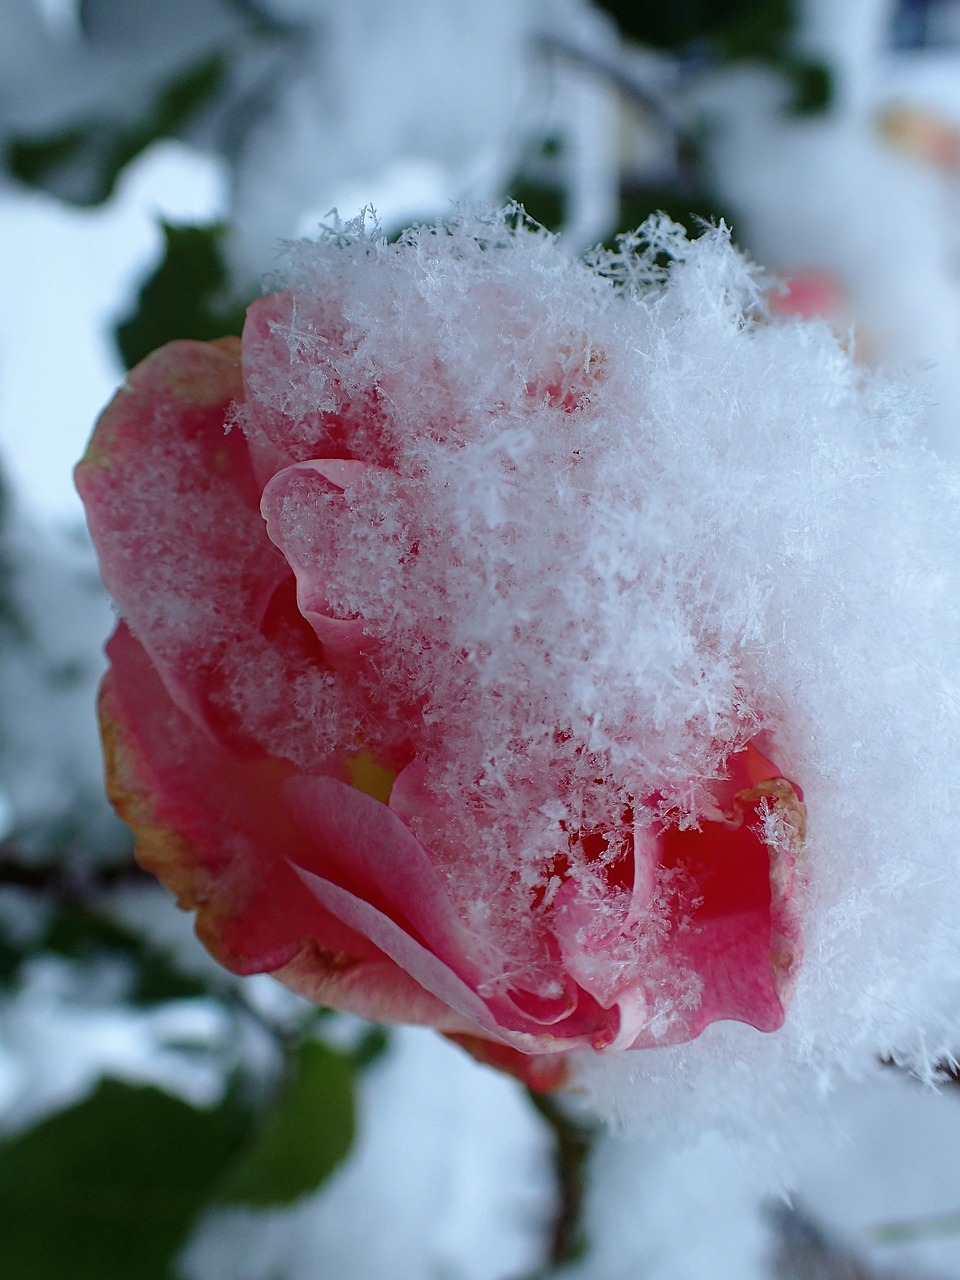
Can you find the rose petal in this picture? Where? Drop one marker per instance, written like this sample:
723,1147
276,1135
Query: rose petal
291,348
739,936
215,830
360,843
539,1072
373,874
300,505
420,961
526,1033
173,507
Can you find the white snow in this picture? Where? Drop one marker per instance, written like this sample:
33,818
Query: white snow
876,1169
447,1181
65,1027
69,275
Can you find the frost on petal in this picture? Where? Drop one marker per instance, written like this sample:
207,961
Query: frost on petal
301,505
742,934
174,511
299,401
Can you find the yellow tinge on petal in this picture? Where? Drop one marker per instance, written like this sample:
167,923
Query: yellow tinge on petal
364,773
159,850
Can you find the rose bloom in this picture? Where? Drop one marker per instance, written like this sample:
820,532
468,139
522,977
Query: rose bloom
374,709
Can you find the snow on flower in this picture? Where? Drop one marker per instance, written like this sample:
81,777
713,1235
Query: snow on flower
549,652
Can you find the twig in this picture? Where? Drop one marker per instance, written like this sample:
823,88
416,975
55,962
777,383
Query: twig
573,1141
63,881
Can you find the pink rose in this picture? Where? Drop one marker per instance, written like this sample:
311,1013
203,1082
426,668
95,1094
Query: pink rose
809,295
295,728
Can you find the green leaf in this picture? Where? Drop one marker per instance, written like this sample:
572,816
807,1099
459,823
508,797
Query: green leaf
108,1189
543,202
10,958
186,297
70,164
812,87
371,1046
748,29
730,28
308,1134
729,31
82,164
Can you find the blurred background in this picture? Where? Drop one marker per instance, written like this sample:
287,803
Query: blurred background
158,1117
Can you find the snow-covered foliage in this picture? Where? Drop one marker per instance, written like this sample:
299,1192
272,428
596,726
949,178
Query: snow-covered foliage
887,192
317,103
51,793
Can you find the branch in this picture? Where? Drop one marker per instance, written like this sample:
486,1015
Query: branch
573,1141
